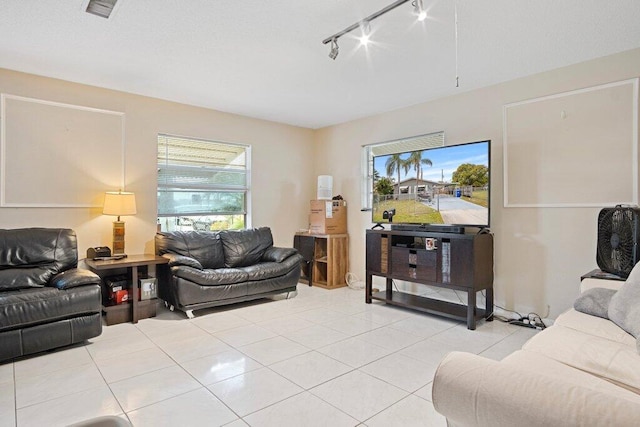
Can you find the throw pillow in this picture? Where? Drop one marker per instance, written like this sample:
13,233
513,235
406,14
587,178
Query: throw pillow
624,308
595,302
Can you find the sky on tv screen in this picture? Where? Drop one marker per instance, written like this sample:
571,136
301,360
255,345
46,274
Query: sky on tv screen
445,161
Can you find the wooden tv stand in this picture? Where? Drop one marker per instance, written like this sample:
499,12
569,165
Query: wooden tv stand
462,262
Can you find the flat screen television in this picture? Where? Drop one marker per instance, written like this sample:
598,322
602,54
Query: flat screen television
440,186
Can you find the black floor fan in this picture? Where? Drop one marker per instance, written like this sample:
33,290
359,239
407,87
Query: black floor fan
618,237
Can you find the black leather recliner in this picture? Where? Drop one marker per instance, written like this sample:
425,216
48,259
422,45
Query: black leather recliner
45,300
209,268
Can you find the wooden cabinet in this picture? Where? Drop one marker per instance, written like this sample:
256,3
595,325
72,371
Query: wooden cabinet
462,262
326,258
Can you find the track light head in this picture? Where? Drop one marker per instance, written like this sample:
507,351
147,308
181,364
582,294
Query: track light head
366,33
419,10
334,49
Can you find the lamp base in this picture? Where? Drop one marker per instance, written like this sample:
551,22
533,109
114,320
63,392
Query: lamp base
118,238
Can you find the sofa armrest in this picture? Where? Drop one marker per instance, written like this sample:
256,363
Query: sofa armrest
470,390
275,254
74,277
177,260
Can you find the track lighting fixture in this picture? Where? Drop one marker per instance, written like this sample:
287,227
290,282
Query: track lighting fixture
334,49
364,24
419,10
102,8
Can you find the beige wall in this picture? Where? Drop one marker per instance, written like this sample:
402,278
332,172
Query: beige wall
281,161
540,253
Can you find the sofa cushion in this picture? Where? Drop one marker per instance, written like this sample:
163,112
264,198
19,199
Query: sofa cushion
31,257
542,365
474,391
274,254
26,307
194,296
593,325
624,309
210,277
204,246
616,362
268,270
245,247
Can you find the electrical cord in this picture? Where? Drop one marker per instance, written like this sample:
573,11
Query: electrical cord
460,299
531,320
520,316
353,281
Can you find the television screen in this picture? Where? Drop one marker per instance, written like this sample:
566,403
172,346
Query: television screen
447,185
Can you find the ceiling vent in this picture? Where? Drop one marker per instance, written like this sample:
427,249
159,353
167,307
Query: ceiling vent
101,8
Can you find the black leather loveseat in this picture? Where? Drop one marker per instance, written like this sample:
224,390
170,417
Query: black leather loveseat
208,268
45,301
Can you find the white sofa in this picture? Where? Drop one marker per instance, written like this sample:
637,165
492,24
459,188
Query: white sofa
582,371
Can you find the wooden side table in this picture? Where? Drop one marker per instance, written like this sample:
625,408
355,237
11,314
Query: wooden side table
599,274
331,260
135,267
305,244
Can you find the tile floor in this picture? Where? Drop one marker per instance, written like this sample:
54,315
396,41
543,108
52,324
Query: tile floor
324,358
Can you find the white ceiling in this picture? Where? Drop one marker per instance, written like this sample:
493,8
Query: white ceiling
265,58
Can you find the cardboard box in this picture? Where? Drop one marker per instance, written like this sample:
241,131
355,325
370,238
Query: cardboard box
328,217
122,296
112,285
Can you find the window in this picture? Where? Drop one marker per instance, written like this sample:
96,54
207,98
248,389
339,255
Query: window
202,185
414,143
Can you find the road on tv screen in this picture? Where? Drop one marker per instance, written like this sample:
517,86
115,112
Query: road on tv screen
455,210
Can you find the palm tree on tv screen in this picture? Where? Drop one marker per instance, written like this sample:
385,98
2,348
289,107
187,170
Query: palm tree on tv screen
416,160
394,163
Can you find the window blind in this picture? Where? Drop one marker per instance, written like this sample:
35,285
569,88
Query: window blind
199,177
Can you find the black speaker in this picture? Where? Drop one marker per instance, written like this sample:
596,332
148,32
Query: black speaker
98,252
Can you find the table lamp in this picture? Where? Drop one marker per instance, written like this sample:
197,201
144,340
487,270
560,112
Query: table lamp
119,203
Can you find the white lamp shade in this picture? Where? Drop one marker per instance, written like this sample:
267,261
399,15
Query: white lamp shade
119,203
